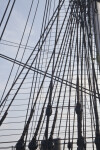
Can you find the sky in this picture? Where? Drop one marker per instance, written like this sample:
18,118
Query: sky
13,33
9,46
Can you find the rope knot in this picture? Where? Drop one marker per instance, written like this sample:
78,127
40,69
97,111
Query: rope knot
78,109
49,110
33,145
20,144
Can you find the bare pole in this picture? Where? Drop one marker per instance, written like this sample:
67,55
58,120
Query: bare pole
96,23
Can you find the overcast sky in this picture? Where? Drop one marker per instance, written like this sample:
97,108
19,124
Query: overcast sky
13,33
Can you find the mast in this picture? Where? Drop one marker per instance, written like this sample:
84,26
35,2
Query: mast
96,22
96,12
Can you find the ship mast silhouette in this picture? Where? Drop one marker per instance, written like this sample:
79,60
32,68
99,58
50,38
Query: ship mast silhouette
57,88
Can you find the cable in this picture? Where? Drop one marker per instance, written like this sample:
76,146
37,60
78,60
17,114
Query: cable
7,19
5,12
